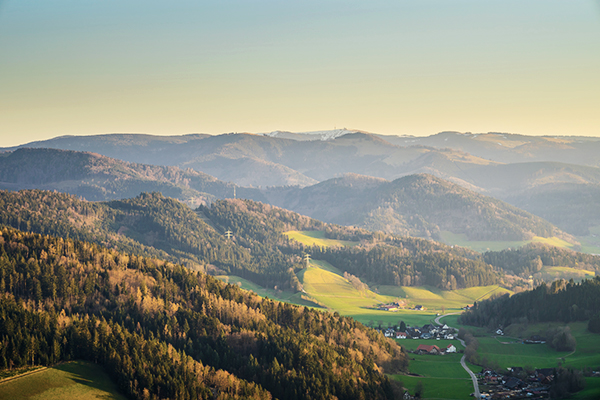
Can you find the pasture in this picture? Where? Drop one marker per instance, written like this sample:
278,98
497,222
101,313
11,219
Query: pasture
438,388
325,284
456,239
553,273
317,238
508,350
433,298
74,380
591,243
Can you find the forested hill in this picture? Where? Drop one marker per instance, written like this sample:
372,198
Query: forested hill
162,330
378,258
530,259
154,225
561,301
96,177
420,205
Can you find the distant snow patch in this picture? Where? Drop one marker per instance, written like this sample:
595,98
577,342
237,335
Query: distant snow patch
314,135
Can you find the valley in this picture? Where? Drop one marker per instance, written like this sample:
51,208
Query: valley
422,242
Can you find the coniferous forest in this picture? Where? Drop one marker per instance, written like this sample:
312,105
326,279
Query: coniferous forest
162,330
560,301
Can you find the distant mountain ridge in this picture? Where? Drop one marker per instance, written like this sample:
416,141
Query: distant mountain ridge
506,166
416,205
285,158
96,177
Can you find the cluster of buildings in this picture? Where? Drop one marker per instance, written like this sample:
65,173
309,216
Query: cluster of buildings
397,305
515,384
428,331
434,350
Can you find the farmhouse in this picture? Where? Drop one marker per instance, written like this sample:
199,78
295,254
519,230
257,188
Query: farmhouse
389,307
401,335
426,349
451,349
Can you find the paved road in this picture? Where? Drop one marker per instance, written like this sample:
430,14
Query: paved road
462,360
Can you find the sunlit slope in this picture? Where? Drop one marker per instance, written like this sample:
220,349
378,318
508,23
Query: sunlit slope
434,299
317,238
334,291
455,239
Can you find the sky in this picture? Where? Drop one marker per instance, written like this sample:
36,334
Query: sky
73,67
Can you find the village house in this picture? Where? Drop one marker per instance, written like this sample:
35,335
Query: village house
426,349
401,335
451,349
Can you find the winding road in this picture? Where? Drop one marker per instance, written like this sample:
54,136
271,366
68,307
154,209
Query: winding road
462,360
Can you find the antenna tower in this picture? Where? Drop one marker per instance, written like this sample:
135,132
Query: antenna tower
307,259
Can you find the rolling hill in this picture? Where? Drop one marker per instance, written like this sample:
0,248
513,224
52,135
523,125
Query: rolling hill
417,205
506,166
161,330
259,251
97,178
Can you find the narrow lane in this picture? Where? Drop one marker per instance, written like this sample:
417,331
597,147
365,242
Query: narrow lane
462,360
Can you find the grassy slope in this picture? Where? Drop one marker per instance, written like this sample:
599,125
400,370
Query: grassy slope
481,246
591,243
75,380
442,376
312,238
509,351
433,298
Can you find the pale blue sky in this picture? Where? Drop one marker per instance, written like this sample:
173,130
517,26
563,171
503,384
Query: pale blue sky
392,67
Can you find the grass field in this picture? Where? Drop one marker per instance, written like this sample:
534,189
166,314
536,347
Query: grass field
513,353
75,380
591,391
280,295
438,388
552,273
442,376
591,243
460,239
311,238
433,298
326,285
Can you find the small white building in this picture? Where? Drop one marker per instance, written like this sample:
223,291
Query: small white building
451,349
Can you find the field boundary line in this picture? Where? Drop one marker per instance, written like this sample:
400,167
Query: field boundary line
10,378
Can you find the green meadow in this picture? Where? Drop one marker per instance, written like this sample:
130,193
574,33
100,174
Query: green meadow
325,285
590,243
317,238
508,351
438,388
460,239
442,376
591,391
74,380
433,298
553,273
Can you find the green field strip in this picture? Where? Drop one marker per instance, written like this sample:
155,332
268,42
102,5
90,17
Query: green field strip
460,239
317,238
438,388
73,380
590,392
